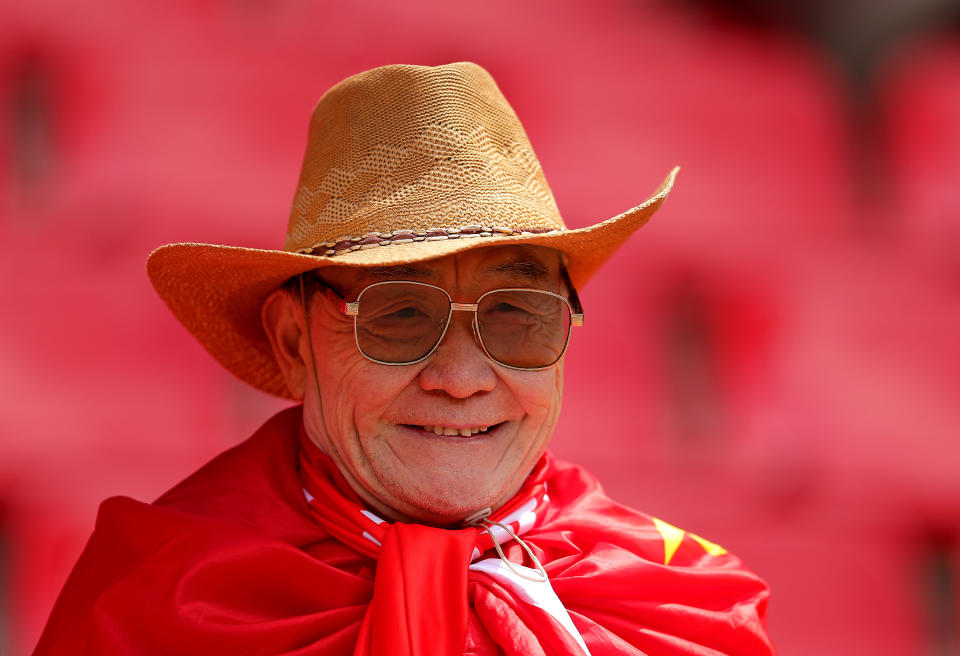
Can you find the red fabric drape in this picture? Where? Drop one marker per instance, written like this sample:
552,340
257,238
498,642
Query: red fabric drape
230,561
421,607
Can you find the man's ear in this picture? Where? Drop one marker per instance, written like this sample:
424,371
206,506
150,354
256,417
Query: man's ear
282,319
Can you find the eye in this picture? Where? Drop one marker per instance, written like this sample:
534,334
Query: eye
504,306
408,312
400,313
506,313
520,308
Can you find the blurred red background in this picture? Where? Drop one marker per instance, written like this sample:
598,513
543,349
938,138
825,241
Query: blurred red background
773,363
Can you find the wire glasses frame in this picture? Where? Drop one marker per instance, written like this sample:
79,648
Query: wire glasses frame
352,309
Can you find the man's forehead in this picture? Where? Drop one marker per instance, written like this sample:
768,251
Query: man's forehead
516,261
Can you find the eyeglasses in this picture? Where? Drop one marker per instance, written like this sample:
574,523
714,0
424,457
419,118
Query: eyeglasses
399,322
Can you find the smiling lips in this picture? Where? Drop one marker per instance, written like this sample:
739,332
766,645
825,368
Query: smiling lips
447,430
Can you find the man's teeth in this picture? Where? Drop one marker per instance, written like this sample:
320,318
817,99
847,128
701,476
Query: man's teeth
462,432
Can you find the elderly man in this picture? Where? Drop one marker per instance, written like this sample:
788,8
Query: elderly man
420,311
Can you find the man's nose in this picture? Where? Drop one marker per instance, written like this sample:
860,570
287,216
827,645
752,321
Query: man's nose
458,366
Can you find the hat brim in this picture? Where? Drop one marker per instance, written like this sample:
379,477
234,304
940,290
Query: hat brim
217,291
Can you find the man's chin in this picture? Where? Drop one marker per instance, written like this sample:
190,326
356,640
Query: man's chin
445,505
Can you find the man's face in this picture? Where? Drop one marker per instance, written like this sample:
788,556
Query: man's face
378,422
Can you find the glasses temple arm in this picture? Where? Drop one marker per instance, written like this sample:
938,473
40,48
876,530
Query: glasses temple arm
335,297
577,317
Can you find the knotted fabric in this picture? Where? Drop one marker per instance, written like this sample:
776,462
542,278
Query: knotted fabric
420,605
235,561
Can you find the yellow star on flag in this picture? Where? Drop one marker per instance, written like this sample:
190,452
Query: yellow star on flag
673,536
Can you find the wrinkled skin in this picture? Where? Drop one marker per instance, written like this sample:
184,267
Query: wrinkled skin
368,417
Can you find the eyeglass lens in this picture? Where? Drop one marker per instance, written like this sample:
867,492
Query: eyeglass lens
401,322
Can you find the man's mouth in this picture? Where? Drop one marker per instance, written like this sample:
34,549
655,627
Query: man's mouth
452,431
462,432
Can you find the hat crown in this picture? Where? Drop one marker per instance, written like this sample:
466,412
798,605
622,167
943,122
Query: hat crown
409,151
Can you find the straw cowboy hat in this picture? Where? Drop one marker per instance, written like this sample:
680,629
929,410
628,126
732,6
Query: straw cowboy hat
403,164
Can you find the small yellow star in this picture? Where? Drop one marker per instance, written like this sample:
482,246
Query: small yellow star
673,536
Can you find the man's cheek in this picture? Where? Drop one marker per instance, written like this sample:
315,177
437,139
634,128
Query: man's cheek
365,421
543,399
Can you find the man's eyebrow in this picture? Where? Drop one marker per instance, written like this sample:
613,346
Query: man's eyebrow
526,267
399,271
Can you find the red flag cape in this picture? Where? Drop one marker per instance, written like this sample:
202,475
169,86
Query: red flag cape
231,561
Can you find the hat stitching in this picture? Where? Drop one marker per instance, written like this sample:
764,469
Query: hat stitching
371,239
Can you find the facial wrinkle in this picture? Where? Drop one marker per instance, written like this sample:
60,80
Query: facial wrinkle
400,271
526,267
